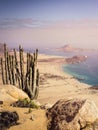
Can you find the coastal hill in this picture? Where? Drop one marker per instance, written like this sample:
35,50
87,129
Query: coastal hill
70,48
76,59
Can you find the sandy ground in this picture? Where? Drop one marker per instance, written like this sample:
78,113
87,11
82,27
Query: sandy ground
54,85
58,85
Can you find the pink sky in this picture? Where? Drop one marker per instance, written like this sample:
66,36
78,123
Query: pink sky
79,33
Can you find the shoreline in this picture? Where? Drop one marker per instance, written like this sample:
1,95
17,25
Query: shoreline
59,62
57,84
62,62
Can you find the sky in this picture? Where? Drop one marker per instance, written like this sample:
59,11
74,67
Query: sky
49,23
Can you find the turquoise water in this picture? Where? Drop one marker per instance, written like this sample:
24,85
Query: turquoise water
86,72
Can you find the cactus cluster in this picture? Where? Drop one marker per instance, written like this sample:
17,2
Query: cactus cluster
13,71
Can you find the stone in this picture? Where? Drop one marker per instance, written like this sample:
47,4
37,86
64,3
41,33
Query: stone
32,117
73,114
11,93
1,102
8,119
46,106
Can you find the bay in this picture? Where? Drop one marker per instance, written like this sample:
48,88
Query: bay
86,71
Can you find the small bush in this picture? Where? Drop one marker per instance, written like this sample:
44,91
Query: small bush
25,103
33,105
30,110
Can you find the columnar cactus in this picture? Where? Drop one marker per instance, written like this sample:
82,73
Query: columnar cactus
13,73
21,66
17,72
6,71
9,68
2,71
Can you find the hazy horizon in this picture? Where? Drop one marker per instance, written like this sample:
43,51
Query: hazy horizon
49,23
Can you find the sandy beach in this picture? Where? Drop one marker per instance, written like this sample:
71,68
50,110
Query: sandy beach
54,85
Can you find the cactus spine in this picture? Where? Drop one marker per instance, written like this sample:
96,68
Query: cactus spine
13,73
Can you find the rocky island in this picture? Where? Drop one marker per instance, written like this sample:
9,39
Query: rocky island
76,59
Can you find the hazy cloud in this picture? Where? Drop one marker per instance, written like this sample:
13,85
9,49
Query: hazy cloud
81,33
31,23
21,23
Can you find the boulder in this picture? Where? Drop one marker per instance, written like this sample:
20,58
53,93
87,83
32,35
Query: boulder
73,114
11,93
8,119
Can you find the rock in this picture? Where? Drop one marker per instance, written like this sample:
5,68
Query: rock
8,119
95,125
1,102
95,87
74,114
46,106
11,93
76,59
32,117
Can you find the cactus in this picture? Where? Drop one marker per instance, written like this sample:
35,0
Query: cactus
13,71
6,71
36,55
16,61
21,66
37,84
14,74
2,71
17,73
28,62
37,77
9,68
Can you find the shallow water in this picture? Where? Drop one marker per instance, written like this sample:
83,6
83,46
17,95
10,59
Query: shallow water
86,71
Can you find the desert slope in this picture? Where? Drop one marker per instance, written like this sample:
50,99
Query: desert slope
54,85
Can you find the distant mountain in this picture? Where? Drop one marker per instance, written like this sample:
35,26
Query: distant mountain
70,48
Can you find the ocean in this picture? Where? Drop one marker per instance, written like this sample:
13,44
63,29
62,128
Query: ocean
87,71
